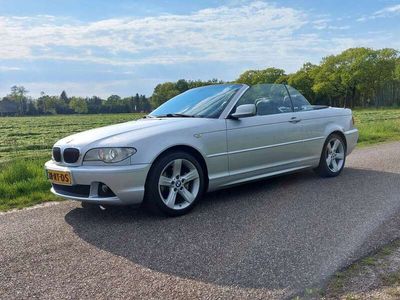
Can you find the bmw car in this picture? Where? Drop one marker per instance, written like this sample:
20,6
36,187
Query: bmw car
205,139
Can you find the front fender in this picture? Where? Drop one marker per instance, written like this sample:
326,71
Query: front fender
209,140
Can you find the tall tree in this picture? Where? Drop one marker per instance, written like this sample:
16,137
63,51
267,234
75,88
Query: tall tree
327,82
163,92
79,105
94,104
64,97
182,85
303,80
18,94
269,75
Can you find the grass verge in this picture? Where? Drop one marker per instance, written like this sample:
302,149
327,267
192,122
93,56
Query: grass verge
373,277
23,183
377,125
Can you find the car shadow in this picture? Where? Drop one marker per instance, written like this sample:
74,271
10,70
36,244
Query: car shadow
285,232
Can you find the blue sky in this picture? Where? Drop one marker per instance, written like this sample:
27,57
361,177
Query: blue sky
124,47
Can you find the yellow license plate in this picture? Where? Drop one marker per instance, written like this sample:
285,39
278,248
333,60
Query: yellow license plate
59,177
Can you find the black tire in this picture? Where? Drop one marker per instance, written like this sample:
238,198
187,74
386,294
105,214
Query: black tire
323,169
153,200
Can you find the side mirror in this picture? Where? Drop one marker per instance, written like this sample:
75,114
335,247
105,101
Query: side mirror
244,111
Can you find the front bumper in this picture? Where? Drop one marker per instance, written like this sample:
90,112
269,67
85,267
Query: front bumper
126,182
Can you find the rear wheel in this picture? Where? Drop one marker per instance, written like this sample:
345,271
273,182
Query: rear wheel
333,156
174,184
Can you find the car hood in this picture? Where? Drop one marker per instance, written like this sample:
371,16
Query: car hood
112,133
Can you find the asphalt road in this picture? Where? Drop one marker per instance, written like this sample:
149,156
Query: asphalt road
267,239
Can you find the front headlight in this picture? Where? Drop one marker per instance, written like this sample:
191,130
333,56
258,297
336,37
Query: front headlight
109,155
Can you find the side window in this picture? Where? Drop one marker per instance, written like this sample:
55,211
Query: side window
269,99
300,103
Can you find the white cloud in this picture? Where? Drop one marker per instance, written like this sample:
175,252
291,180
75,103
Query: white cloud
388,11
249,31
395,9
324,24
7,69
252,34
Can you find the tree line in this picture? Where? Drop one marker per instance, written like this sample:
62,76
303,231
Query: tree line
357,77
18,103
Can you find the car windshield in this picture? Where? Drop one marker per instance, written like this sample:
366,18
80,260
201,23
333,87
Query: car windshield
207,102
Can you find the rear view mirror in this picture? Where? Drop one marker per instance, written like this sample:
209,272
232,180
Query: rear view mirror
244,111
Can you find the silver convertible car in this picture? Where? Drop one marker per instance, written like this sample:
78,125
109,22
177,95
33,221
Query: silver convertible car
202,140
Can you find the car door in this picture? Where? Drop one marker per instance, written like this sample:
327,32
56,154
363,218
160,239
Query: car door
311,125
267,142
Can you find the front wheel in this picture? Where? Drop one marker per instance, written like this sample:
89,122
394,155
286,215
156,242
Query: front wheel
333,157
174,184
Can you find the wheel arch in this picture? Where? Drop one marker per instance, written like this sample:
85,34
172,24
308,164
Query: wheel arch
333,130
188,149
323,169
341,134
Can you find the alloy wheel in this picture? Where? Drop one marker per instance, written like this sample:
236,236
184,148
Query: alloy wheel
179,184
335,152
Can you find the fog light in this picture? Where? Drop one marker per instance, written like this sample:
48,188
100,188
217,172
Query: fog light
104,191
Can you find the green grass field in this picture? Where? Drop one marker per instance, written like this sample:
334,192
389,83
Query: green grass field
26,142
35,136
377,125
25,145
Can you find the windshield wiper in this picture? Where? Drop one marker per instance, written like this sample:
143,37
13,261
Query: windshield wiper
176,116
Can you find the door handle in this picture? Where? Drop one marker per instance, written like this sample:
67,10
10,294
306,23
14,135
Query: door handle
294,120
